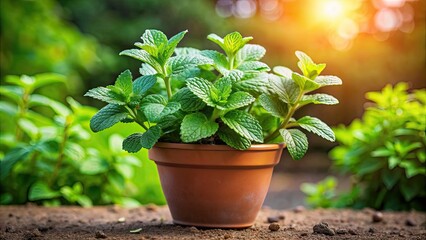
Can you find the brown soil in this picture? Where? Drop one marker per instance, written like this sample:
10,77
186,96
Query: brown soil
152,222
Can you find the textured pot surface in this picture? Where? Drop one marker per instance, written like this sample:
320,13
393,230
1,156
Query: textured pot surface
215,185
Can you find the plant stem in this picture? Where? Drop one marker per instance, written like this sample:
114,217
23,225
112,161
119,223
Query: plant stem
167,83
215,114
61,152
22,110
285,124
250,107
168,87
231,61
276,133
134,116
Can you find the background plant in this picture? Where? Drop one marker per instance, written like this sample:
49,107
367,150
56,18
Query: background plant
210,96
384,152
51,157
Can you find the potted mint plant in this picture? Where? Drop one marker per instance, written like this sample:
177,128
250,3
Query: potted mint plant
215,123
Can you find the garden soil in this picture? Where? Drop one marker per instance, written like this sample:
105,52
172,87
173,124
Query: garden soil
153,222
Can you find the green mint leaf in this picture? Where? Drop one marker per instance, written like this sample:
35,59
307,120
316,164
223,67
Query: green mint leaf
12,157
41,100
304,83
124,82
233,139
307,66
196,126
282,71
172,43
286,89
254,83
250,52
133,143
202,88
216,39
143,56
107,117
154,37
185,74
186,51
170,108
314,125
296,142
142,84
222,88
172,121
150,137
154,98
244,124
40,190
254,66
234,75
273,105
44,79
234,42
146,69
189,102
155,107
106,95
181,62
328,80
221,64
239,99
118,93
319,98
149,48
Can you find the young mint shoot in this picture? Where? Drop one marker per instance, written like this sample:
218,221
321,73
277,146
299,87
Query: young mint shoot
187,95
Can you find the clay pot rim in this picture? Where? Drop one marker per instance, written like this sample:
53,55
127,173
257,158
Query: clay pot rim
211,147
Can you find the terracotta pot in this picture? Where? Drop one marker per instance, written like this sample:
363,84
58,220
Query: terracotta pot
215,185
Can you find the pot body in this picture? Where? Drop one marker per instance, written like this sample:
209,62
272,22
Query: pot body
215,185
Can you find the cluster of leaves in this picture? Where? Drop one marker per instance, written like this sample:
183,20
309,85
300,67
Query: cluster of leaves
385,152
57,160
324,194
206,96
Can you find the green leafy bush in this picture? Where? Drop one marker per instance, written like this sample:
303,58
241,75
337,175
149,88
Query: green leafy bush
384,152
51,157
210,97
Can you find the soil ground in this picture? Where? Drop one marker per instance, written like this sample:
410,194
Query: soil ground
152,222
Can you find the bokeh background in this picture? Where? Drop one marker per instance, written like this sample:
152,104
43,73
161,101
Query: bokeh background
367,43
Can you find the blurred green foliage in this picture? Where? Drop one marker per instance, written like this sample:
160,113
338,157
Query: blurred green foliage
81,39
384,152
324,194
35,39
55,159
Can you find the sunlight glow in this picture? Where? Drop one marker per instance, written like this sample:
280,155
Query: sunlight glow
332,9
394,3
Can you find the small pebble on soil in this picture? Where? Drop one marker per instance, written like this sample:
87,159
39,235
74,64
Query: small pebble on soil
34,234
273,219
377,217
341,231
274,227
323,228
151,207
410,222
299,209
100,234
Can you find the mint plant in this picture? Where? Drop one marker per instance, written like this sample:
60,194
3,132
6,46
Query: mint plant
212,97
